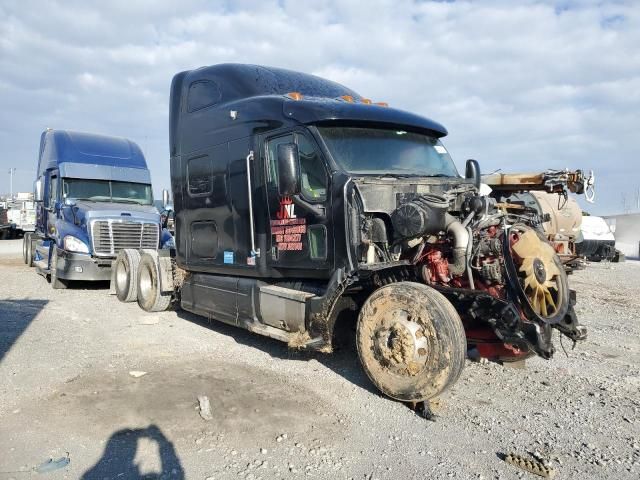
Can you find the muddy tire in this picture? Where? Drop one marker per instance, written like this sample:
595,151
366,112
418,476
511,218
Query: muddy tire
56,283
150,297
125,275
411,341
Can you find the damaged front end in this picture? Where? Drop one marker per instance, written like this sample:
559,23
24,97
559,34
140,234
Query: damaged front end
496,267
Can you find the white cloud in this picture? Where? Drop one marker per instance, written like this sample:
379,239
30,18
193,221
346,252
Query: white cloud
529,86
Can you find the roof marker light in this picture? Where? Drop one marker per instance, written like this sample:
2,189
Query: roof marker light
294,95
347,98
382,104
366,101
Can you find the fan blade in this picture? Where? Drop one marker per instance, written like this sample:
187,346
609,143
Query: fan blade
527,245
550,301
536,301
543,304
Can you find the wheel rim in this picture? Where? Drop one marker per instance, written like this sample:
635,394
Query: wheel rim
122,276
146,282
400,344
538,272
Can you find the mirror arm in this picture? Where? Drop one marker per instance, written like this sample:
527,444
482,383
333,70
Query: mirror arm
316,210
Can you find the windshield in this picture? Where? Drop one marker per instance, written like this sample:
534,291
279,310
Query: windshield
107,191
393,152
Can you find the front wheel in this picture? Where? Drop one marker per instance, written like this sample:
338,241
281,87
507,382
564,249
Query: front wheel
26,246
56,282
411,341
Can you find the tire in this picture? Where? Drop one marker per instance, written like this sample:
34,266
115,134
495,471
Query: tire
125,275
411,341
150,298
29,248
26,244
56,283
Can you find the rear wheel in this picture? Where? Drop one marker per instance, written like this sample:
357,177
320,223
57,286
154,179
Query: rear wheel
56,282
126,275
411,341
150,296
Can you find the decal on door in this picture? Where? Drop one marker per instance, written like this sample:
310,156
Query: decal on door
287,228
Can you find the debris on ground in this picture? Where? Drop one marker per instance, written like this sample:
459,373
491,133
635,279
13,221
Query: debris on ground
137,373
532,466
52,465
149,320
205,407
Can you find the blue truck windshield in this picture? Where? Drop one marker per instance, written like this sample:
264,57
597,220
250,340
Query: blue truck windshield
392,152
107,191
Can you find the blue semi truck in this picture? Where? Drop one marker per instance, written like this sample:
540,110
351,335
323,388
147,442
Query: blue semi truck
94,198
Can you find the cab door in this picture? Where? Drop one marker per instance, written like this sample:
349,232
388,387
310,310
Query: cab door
301,235
50,212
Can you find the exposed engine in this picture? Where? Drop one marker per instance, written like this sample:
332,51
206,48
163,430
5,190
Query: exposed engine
495,266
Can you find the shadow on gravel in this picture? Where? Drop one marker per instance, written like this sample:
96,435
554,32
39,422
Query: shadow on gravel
344,360
120,454
15,317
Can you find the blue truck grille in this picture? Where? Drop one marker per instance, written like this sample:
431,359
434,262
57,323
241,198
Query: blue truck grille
110,236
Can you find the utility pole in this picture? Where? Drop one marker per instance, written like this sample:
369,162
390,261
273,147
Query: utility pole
11,172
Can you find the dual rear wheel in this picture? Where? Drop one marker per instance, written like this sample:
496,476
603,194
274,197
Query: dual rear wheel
137,278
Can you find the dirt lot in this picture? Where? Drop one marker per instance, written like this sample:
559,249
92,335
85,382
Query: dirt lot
66,389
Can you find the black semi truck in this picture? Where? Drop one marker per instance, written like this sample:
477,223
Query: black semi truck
299,203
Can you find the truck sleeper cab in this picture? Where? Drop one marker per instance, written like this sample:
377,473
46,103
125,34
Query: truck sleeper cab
94,198
299,203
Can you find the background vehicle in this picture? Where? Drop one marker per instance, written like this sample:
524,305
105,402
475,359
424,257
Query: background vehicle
17,216
547,197
300,204
597,242
94,198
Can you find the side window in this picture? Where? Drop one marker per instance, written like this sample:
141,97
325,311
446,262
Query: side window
199,176
317,242
312,172
202,94
272,154
53,189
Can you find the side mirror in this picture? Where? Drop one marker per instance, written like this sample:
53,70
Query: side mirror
69,202
472,172
165,198
288,169
37,190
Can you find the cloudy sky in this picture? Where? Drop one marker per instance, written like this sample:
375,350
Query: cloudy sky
520,86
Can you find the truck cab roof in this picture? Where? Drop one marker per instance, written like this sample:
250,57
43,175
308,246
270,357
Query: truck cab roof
207,96
88,155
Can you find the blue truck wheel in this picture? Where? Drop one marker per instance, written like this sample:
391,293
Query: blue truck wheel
56,283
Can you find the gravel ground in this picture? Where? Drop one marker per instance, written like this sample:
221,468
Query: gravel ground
66,389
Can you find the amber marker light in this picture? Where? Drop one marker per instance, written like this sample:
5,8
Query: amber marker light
347,98
294,95
382,104
366,101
